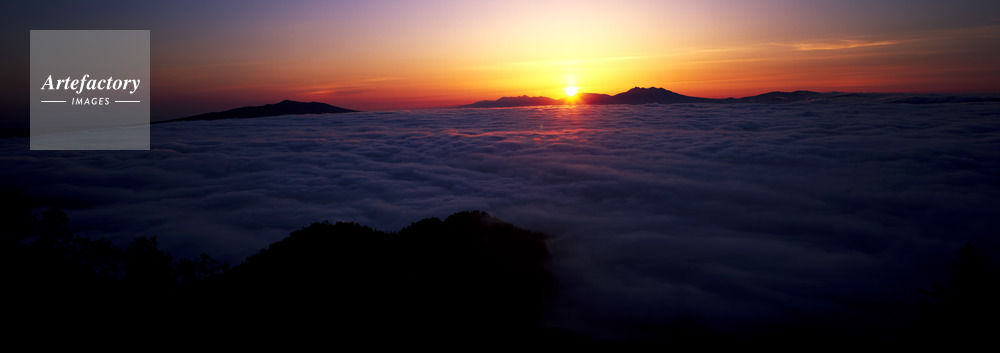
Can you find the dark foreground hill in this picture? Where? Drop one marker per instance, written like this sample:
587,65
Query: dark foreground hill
470,275
285,107
468,278
471,282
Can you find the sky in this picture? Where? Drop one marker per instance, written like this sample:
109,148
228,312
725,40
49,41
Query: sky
387,55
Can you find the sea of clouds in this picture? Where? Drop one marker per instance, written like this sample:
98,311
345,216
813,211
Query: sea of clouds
726,216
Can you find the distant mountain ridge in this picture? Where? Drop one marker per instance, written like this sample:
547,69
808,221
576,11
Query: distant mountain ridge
782,97
285,107
656,95
520,101
639,95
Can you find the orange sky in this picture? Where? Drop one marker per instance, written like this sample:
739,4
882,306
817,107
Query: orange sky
374,55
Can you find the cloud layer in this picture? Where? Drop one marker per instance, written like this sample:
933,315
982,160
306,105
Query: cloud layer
728,215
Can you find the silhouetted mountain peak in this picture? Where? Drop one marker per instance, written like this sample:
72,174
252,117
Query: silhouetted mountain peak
643,90
285,107
657,95
782,97
519,101
640,95
635,95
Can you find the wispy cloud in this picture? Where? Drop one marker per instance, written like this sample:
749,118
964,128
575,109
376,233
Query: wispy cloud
583,61
357,86
842,44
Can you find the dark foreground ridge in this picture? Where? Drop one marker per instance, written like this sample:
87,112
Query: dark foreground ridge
470,275
469,281
468,278
656,95
285,107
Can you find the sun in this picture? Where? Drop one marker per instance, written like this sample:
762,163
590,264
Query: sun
571,91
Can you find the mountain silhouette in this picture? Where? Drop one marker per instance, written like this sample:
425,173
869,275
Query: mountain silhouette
520,101
782,97
285,107
639,95
636,95
656,95
470,276
592,98
468,279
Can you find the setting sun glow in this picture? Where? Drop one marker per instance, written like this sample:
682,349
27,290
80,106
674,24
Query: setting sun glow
388,55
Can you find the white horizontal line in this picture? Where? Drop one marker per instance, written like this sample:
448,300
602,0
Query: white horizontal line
53,101
127,102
